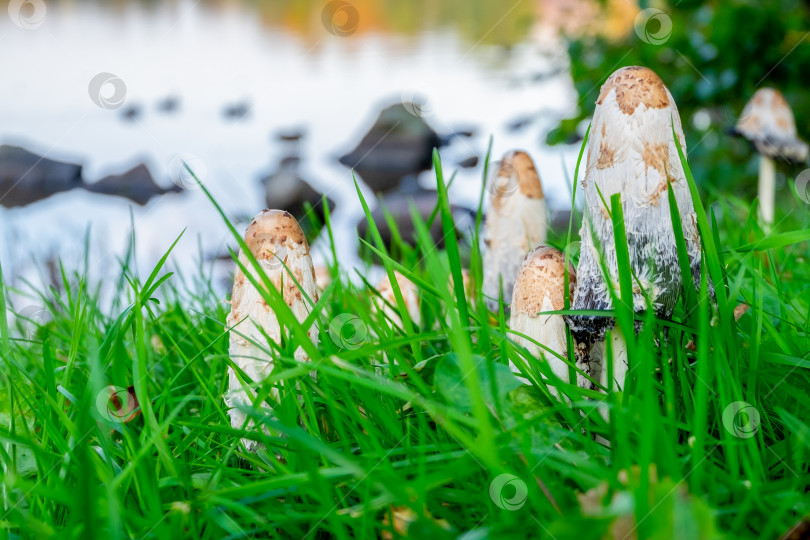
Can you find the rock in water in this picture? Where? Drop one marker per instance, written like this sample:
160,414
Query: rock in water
135,184
398,206
26,177
399,144
285,188
169,104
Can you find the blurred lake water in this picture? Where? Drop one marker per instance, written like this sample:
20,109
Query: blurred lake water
476,65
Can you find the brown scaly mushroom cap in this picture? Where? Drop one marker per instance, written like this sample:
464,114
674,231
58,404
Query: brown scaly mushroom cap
517,167
768,123
272,228
410,295
540,285
274,237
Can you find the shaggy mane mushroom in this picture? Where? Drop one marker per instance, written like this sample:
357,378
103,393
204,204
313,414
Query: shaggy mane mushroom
272,237
768,123
540,287
631,151
515,223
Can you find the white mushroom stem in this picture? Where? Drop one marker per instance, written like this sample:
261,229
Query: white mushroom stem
273,238
618,347
539,288
767,188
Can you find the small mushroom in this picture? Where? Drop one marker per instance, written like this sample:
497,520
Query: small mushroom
768,123
632,152
273,237
515,223
323,277
468,282
386,303
540,287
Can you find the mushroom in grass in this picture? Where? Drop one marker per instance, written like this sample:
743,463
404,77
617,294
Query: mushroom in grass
515,223
540,287
275,240
386,302
768,123
323,277
631,152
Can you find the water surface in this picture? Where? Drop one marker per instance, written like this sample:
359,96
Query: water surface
293,73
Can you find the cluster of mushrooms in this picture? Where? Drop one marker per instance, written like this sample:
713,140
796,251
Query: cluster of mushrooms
631,152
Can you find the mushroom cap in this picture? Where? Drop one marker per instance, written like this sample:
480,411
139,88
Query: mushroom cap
634,86
541,277
516,171
409,295
631,138
386,290
271,229
768,123
274,237
323,277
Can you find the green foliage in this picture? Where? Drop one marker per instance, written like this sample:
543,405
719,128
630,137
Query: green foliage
717,55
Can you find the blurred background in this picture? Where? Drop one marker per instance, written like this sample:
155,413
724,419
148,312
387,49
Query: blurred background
273,103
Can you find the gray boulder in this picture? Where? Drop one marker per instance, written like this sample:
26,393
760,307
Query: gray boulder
398,206
399,144
285,189
26,177
135,184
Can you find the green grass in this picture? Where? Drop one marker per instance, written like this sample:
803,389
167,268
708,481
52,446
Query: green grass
415,423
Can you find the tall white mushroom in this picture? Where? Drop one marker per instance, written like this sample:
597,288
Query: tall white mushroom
540,287
768,123
273,237
515,223
631,151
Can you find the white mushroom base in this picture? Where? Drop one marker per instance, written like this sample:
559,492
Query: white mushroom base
549,330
